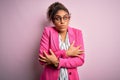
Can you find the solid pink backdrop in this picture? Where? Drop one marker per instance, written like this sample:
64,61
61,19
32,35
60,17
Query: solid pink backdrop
21,25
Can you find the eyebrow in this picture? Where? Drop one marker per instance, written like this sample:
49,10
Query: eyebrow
63,15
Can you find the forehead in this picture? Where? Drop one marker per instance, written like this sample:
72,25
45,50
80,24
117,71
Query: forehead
61,13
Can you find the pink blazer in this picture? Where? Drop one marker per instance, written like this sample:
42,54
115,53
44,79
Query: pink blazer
48,41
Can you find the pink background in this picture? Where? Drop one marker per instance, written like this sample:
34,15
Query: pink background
21,25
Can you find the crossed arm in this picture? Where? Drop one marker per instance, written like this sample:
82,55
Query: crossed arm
73,57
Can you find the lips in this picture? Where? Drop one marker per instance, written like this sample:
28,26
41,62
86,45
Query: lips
62,27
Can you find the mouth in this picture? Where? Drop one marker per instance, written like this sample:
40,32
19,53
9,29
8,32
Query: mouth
62,25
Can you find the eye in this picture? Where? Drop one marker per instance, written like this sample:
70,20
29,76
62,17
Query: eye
57,18
66,17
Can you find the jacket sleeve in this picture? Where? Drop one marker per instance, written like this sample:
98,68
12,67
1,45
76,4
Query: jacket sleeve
61,53
64,61
44,45
73,62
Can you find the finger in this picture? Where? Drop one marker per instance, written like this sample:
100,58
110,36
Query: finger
73,43
77,55
42,57
38,58
81,50
51,52
46,64
42,60
78,47
46,55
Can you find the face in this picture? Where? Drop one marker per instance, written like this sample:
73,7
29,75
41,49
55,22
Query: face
61,20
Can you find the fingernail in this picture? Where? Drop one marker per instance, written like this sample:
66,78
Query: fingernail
43,51
50,50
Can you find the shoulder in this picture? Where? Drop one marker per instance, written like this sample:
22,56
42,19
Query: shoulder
49,28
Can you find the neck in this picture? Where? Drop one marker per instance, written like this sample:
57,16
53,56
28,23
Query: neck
63,35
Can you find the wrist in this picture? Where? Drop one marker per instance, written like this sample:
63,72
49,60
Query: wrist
56,63
67,53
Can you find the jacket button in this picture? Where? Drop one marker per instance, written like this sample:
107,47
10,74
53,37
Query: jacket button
70,73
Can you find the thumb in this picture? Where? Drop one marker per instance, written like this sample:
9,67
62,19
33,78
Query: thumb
78,47
73,43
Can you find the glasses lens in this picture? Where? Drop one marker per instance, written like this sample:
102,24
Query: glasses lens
65,18
59,18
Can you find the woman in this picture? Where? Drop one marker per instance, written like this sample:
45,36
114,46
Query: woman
61,47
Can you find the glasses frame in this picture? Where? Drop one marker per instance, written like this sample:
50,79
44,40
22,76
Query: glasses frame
64,18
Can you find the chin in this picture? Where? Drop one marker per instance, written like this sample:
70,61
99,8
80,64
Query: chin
62,30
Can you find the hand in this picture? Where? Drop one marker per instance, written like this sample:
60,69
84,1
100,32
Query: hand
74,51
49,59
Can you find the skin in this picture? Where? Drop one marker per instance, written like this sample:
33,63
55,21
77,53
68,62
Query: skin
62,27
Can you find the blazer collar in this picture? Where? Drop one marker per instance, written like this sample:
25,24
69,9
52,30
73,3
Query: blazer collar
56,40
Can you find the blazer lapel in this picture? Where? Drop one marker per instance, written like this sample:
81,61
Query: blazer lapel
70,34
55,39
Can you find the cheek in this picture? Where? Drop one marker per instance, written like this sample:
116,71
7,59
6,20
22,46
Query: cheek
67,23
56,24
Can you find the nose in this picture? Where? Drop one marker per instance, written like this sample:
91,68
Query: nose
61,21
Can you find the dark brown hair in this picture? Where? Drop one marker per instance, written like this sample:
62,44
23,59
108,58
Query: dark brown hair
54,8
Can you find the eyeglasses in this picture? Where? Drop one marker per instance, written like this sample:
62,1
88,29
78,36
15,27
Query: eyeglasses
59,18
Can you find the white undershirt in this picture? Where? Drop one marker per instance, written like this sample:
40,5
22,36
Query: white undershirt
63,46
